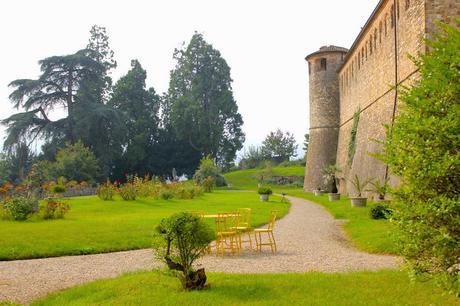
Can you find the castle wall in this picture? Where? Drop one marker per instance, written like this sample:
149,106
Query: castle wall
367,80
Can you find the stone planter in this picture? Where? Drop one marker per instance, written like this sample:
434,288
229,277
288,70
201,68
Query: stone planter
318,192
334,196
358,202
264,197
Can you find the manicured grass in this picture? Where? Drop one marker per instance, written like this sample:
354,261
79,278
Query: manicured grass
156,288
374,236
96,226
247,179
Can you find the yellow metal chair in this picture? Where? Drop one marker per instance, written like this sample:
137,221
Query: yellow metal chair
226,234
243,226
269,231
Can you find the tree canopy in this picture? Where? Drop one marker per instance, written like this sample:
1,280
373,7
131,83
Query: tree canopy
279,146
200,106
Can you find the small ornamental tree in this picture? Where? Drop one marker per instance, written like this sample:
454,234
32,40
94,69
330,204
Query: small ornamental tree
423,149
179,241
208,169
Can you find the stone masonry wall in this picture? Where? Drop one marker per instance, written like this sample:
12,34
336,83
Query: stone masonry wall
367,82
324,114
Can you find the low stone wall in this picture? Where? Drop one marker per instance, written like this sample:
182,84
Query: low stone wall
78,192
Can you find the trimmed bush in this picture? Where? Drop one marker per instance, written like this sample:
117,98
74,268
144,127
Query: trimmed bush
179,241
128,191
21,208
54,209
380,211
166,194
265,190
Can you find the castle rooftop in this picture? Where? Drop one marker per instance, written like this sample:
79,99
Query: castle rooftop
327,49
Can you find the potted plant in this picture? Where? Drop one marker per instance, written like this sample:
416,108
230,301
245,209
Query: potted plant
330,179
380,189
264,193
318,191
359,200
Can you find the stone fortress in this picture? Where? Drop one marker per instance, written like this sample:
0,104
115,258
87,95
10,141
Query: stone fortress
354,92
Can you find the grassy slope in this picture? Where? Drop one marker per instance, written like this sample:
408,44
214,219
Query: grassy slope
374,236
155,288
95,226
246,179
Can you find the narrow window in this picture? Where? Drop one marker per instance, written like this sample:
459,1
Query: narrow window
386,27
323,64
380,32
309,68
370,45
407,4
375,39
397,8
359,60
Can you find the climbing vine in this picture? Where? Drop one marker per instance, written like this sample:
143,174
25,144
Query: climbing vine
353,133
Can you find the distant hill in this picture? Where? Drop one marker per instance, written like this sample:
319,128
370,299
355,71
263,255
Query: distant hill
247,179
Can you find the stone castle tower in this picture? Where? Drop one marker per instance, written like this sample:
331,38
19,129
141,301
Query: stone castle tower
363,83
324,112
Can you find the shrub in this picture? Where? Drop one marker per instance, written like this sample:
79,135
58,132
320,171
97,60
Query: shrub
359,185
20,208
106,191
179,241
380,188
208,184
127,191
166,194
207,169
264,190
380,211
423,149
58,188
54,209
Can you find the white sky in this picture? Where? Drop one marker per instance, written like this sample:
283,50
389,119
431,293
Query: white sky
264,43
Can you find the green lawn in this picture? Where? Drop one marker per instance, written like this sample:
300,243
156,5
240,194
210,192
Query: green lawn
96,226
157,288
246,179
374,236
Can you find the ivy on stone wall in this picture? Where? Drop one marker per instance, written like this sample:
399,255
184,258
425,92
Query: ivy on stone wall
353,133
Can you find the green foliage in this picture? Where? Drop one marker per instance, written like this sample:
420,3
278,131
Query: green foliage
166,194
306,142
353,137
359,185
380,188
330,173
106,191
423,149
208,169
252,158
54,209
58,188
279,146
139,107
4,169
76,162
21,208
128,191
200,107
265,174
264,190
381,211
208,184
179,241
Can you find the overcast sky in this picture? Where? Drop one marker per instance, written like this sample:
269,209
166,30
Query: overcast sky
264,43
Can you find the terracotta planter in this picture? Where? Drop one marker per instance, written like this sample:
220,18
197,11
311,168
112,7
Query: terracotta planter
334,196
358,202
318,192
264,197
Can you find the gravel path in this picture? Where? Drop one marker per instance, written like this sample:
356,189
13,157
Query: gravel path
308,239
